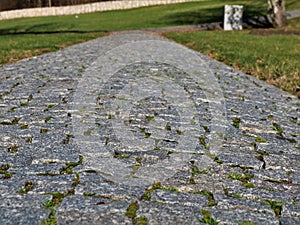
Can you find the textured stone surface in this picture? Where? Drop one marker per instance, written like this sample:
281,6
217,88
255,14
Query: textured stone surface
23,209
132,127
79,209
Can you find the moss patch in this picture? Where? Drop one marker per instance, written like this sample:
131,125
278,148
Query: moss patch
207,218
131,210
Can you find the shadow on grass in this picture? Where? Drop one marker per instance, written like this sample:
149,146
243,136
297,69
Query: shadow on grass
253,17
257,22
45,28
9,32
191,17
210,15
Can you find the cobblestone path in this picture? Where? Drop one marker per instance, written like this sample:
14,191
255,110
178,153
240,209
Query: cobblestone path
135,129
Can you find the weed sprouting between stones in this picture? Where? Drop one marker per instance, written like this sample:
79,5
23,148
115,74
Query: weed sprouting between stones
110,116
88,194
195,170
192,180
244,178
210,197
56,200
206,128
179,132
233,195
207,218
29,186
3,170
236,122
260,157
202,140
13,109
131,210
260,140
76,180
140,220
4,167
240,177
13,122
149,118
68,168
249,185
29,140
263,153
193,122
168,127
24,104
51,220
68,138
24,126
47,174
277,128
276,206
143,130
147,195
48,118
44,131
279,181
168,188
246,223
214,157
50,106
13,149
169,152
118,155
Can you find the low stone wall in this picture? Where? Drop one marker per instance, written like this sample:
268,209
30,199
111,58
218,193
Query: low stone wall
85,8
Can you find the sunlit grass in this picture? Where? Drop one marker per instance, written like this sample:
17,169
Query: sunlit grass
16,47
273,58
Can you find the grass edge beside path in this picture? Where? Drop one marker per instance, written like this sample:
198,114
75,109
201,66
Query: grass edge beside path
270,55
28,37
25,47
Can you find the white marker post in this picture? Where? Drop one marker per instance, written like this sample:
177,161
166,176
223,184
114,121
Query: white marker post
233,17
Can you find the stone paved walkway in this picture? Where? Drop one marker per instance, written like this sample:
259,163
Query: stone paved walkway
134,129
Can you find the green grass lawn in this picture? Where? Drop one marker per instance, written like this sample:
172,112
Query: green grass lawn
26,37
15,47
145,17
270,57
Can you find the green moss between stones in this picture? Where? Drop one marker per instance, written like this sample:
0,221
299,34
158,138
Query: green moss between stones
131,210
210,197
141,220
276,206
236,122
207,218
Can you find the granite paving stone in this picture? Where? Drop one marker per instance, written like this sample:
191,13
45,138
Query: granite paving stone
23,209
78,209
133,128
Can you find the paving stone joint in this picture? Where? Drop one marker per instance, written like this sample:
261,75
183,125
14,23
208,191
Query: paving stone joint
135,129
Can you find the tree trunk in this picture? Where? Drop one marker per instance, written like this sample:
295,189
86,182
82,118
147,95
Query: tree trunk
276,12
